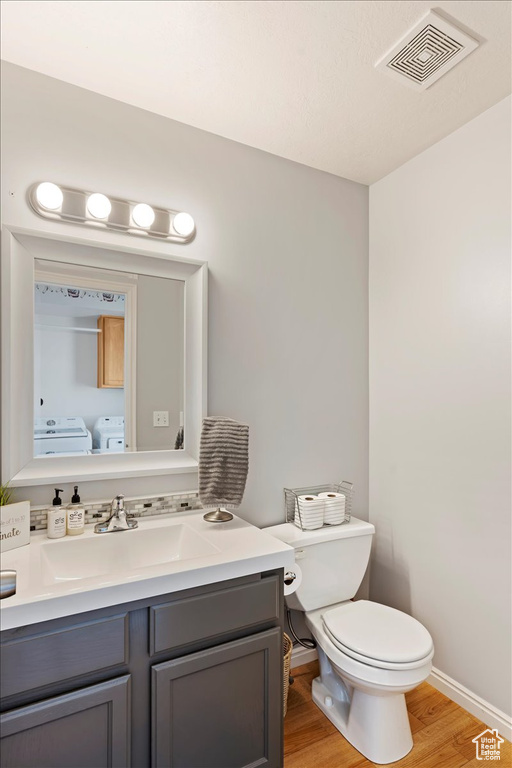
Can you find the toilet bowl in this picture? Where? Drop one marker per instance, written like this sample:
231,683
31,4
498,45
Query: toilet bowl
370,654
364,696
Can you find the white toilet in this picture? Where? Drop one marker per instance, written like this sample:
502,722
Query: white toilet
370,654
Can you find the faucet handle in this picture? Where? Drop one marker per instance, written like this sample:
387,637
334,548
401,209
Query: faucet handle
118,520
118,502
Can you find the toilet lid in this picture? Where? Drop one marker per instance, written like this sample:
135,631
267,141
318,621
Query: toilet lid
377,632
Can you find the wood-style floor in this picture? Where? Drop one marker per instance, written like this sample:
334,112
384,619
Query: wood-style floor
442,732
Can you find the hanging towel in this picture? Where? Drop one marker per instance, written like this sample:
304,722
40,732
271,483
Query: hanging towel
223,462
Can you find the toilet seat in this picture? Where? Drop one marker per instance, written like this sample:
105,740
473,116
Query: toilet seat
376,662
365,670
378,635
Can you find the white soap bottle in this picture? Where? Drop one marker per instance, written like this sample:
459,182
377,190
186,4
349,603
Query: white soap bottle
75,524
56,518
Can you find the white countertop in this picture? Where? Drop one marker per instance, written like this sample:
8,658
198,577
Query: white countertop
229,550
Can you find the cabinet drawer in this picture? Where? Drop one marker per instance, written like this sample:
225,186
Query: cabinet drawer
51,657
214,614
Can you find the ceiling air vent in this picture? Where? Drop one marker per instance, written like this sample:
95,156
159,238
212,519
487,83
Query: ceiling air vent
427,52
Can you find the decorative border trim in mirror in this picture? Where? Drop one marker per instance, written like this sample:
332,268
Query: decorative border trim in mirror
73,208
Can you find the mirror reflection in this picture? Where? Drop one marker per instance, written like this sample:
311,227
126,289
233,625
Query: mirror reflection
108,361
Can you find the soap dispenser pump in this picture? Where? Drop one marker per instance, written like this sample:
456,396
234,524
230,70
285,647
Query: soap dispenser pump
56,518
57,500
75,515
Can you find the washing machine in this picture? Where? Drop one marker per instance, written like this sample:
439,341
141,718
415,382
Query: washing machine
108,434
61,435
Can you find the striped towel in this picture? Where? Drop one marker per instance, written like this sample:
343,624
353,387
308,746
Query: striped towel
223,462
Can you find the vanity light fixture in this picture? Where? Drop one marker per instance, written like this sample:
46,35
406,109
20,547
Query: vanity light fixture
143,215
99,205
94,209
49,196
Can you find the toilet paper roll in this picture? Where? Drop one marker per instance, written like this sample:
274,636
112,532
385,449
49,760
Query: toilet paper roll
295,583
332,495
334,513
310,512
311,501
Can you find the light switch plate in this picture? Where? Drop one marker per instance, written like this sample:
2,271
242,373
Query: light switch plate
160,418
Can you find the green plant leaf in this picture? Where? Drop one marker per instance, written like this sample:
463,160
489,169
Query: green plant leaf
5,495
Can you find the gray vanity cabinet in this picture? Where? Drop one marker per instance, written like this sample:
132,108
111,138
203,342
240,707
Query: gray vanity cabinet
89,727
191,679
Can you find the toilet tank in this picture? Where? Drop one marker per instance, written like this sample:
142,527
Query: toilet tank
332,561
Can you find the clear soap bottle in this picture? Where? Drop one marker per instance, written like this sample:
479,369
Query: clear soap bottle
56,518
75,524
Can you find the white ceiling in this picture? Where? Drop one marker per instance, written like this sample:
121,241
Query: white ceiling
295,78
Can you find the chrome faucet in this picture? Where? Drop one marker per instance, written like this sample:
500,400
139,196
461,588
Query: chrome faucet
117,520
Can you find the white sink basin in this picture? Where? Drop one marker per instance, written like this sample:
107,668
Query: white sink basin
165,554
123,552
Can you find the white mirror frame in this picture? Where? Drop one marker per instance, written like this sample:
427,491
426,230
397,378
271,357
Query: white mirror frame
20,250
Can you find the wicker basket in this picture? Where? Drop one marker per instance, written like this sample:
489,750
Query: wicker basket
287,657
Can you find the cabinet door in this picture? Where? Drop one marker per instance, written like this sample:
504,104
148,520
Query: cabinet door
84,729
220,708
110,351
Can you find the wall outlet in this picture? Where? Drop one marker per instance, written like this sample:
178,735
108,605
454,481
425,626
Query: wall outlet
160,418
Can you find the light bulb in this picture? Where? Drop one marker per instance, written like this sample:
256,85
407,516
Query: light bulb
183,224
99,205
143,215
49,196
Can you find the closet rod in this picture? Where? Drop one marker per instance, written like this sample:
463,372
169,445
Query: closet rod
68,328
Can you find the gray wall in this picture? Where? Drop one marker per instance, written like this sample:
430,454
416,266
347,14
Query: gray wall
287,248
440,399
160,349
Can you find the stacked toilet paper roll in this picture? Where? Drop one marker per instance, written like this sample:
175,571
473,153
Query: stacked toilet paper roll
334,510
310,512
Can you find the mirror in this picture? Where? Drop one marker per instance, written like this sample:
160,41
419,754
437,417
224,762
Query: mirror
98,388
149,309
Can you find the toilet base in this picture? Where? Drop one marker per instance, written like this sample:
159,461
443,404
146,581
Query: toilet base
377,726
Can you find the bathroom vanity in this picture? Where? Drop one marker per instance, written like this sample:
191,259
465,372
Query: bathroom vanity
184,677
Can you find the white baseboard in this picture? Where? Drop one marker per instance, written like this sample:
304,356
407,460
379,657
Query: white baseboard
476,706
302,656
